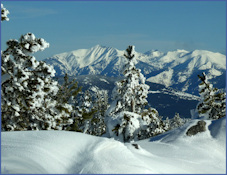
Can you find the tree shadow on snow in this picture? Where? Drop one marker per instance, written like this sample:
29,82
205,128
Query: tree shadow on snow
159,137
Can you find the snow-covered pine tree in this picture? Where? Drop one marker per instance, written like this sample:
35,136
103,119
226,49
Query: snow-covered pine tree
68,91
213,102
28,89
83,113
67,94
124,116
130,93
4,13
167,124
177,121
152,124
97,125
220,104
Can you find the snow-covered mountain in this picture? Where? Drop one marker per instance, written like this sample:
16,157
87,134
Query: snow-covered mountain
97,60
177,69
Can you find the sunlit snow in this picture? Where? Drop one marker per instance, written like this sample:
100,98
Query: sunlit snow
62,152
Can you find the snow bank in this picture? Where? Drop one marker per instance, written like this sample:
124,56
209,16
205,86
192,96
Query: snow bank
204,153
61,152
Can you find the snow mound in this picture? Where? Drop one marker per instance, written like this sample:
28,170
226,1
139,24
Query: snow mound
204,153
62,152
59,152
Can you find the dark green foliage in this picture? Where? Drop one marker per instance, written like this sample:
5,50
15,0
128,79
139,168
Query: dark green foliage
68,91
89,112
82,113
100,103
129,53
154,124
213,101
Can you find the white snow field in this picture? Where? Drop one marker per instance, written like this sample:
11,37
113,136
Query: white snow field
62,152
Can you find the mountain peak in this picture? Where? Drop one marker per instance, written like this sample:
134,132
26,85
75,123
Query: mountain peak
154,53
185,65
201,52
182,50
99,46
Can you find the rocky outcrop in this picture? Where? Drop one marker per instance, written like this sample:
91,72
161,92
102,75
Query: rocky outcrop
199,127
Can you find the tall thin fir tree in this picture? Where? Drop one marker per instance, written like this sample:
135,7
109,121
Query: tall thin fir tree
68,91
83,113
97,125
67,94
124,116
167,124
130,93
213,101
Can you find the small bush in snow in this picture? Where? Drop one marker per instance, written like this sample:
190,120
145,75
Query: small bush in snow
177,121
152,124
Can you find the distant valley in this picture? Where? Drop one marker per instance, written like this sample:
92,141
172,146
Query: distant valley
167,101
172,76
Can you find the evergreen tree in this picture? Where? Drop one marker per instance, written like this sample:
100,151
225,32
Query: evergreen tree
28,89
153,124
219,104
97,125
177,121
130,93
67,94
4,13
213,102
167,124
83,113
68,91
124,117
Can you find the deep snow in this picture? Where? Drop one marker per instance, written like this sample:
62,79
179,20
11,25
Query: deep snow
62,152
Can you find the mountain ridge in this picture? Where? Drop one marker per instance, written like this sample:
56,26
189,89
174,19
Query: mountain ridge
178,69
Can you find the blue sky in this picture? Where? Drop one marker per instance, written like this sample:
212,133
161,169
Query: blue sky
162,25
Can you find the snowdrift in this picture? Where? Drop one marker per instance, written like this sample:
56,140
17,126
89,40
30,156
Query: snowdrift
61,152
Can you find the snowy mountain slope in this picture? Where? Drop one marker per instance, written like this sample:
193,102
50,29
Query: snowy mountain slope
164,78
62,152
166,100
97,60
180,69
177,69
